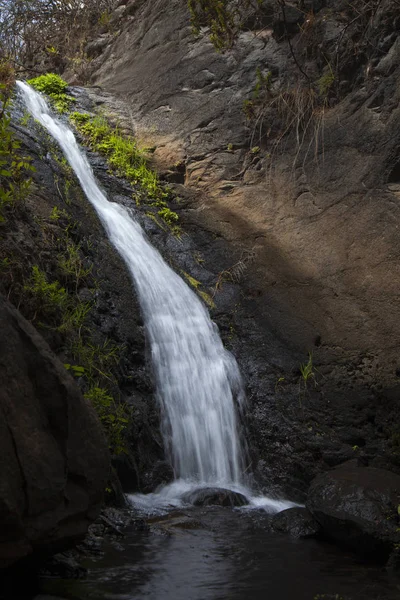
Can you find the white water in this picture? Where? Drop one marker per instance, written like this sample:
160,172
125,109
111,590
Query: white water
198,381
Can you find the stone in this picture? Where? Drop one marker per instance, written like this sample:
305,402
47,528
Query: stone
214,497
54,460
298,522
359,507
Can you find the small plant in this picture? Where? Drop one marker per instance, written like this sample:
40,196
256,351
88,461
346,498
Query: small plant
25,118
279,384
49,297
72,266
76,370
97,359
197,285
56,214
307,371
325,83
55,88
113,416
169,216
104,18
74,318
263,83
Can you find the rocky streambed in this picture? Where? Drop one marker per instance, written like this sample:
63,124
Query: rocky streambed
217,553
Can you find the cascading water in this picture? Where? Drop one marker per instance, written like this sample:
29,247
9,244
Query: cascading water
197,380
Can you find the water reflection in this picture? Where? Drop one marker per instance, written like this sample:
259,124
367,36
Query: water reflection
218,554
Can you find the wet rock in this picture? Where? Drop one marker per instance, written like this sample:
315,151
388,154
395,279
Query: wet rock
214,497
175,520
359,507
65,566
298,522
54,461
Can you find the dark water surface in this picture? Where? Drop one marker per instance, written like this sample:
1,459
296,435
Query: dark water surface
226,554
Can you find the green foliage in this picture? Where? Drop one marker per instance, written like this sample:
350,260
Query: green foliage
15,183
307,371
263,83
122,152
55,88
57,214
104,18
97,359
114,417
74,318
72,266
50,297
169,216
325,83
197,286
76,370
224,19
127,160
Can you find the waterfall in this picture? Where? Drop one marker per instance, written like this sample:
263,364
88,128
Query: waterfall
197,381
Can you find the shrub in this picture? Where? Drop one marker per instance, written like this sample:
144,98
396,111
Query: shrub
55,88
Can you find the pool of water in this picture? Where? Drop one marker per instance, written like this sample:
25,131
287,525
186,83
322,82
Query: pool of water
216,554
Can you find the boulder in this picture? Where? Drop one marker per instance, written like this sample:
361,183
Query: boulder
298,522
54,460
214,497
359,507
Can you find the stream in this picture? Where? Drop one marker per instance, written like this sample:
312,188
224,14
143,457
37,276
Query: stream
215,553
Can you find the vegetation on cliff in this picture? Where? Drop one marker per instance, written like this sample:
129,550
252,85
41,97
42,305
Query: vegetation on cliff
326,63
15,167
129,161
40,35
46,283
55,88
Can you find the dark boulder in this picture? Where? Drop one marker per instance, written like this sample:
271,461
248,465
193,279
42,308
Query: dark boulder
359,507
297,521
214,496
54,460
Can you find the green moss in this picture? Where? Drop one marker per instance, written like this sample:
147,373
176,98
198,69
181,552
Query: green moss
55,88
125,158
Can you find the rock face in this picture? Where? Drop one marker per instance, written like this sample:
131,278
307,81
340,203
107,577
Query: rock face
358,507
297,245
320,219
215,496
54,461
298,522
